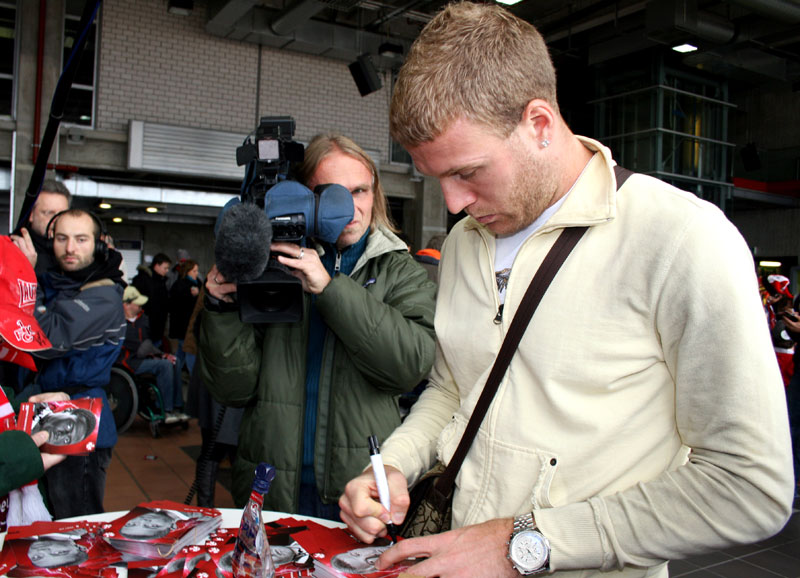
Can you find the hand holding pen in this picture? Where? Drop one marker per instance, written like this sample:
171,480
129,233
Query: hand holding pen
380,479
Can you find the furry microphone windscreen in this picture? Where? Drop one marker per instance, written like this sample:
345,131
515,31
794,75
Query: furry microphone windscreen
243,239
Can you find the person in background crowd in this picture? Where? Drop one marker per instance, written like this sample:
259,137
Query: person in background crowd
182,299
21,462
367,336
173,273
791,321
778,304
140,355
430,255
639,421
152,283
53,198
81,314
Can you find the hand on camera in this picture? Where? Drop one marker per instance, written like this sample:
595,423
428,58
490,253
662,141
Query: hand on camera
218,287
305,265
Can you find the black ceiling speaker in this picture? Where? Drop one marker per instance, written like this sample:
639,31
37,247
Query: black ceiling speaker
750,159
365,75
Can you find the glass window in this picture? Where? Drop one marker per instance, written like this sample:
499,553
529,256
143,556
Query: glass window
81,102
8,56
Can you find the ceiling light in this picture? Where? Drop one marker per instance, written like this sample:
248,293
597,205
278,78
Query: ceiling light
180,7
769,263
508,2
104,205
152,209
390,49
117,219
682,48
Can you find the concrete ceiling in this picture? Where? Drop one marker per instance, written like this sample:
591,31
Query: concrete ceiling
747,40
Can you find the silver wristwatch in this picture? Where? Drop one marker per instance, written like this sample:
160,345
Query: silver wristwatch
528,549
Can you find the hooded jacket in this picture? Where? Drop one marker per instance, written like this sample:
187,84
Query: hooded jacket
641,418
379,344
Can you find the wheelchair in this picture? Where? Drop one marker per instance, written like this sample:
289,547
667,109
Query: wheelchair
130,395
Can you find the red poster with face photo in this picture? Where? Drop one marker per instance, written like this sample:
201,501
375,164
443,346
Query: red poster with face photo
72,424
60,549
160,529
338,554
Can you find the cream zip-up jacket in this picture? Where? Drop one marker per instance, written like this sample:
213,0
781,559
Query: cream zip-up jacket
643,417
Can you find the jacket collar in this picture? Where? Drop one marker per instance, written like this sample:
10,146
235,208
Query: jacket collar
592,199
379,241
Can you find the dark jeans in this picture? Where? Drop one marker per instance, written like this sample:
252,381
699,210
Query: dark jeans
168,381
76,486
311,505
793,403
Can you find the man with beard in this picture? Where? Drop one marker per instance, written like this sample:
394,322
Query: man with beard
642,417
80,310
53,198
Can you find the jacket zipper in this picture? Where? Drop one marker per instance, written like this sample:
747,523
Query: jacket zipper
498,319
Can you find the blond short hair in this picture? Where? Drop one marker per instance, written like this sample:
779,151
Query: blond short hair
323,145
476,61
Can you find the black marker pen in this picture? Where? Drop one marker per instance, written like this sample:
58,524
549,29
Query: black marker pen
383,485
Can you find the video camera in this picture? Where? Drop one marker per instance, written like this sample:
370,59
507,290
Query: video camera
274,208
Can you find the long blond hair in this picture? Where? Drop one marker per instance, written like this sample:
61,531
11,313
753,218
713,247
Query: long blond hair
323,145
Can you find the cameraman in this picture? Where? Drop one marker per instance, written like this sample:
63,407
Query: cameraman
315,390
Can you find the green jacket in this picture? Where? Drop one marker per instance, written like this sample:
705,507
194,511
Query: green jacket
380,344
20,460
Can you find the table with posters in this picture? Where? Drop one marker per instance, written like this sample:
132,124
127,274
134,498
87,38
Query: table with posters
230,519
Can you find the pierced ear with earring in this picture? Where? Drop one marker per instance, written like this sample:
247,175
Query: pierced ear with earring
545,143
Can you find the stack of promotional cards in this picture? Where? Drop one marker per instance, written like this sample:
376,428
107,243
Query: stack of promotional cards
64,549
214,557
337,554
159,530
72,424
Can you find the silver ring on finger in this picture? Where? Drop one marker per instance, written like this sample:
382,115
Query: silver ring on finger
302,252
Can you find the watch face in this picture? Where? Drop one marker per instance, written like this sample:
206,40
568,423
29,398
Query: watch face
529,551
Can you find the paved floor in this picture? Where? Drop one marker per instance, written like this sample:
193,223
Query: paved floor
777,556
146,469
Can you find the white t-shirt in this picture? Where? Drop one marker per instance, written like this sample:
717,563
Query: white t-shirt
506,248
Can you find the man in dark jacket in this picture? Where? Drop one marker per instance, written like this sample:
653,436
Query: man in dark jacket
314,390
53,198
152,283
79,308
140,356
